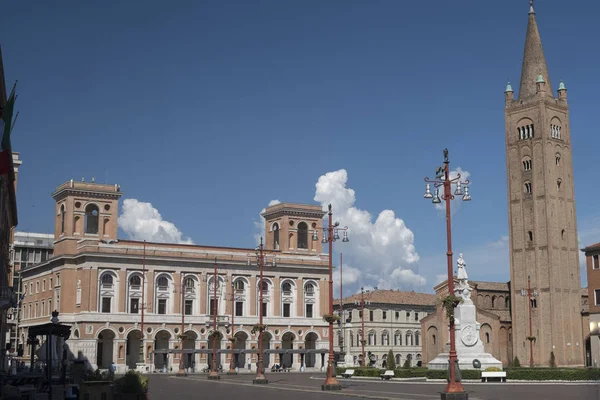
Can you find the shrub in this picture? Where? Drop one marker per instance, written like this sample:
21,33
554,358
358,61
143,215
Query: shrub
516,363
376,372
132,383
559,374
443,374
552,360
391,361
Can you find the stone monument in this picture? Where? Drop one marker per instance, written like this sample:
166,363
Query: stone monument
468,343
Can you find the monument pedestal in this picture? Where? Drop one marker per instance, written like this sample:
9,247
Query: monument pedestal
466,331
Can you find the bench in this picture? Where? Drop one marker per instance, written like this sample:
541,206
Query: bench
387,375
348,373
486,375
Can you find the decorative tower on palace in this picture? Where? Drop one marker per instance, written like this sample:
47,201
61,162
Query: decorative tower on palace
542,219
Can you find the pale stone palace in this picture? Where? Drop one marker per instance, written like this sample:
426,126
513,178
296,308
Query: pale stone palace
96,282
392,321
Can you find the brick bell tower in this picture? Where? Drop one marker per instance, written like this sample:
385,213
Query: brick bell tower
541,209
289,228
84,211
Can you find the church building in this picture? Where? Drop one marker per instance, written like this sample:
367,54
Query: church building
544,254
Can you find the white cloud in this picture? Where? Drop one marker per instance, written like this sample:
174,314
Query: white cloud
464,175
141,221
383,250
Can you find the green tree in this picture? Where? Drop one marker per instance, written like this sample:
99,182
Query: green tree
407,363
391,361
516,363
552,360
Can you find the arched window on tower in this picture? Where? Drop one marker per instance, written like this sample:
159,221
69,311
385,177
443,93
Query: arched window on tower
530,235
558,183
91,219
302,235
493,301
526,131
62,218
527,187
527,164
557,159
276,236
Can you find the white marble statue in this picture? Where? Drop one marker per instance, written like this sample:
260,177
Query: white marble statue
462,288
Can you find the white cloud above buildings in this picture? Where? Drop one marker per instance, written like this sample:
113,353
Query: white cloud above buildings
381,250
141,221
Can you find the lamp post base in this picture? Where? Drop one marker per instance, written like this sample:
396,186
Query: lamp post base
213,376
260,380
231,372
455,396
328,387
181,372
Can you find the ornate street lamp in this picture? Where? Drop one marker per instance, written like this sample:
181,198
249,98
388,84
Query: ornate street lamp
214,374
529,292
261,260
330,235
454,390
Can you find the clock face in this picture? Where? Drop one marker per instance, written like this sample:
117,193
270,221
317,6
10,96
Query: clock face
469,335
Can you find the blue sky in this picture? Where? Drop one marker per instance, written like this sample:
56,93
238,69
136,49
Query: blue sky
209,110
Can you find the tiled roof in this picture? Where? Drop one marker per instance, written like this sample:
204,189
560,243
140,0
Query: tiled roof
394,297
591,247
499,286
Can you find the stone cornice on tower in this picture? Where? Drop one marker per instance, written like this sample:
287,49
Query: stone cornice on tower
297,210
534,62
96,190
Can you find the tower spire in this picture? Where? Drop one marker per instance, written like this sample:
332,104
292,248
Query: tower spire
534,62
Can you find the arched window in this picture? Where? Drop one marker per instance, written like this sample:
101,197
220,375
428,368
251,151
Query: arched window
527,164
433,339
530,235
135,281
91,219
239,285
372,339
493,301
417,338
351,339
276,236
162,283
409,339
62,218
487,337
526,131
107,281
309,289
397,338
385,339
527,187
265,286
533,303
557,159
286,288
302,235
562,234
558,183
507,303
189,285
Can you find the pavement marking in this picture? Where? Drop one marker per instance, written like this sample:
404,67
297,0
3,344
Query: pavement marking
345,393
514,382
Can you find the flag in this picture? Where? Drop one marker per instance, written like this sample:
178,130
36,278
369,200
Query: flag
7,115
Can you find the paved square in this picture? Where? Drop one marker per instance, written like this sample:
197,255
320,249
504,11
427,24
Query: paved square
297,386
